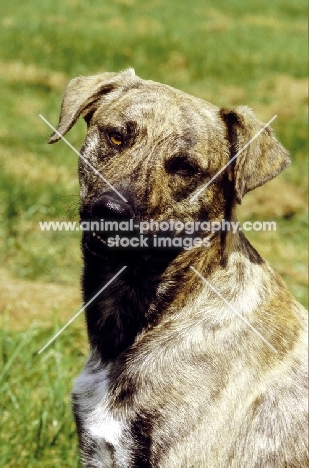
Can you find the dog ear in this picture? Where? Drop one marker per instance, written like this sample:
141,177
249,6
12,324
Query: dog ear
262,159
81,94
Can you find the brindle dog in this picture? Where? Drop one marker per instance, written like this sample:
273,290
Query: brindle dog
176,379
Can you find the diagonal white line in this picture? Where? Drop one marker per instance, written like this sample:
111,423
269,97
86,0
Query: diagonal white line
233,309
81,310
82,157
231,160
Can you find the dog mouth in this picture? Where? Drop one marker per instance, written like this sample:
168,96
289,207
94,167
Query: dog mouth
99,238
111,226
133,241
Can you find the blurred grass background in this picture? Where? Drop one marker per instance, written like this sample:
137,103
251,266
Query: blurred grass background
228,52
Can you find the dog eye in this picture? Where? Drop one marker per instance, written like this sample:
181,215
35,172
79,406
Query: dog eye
116,139
181,166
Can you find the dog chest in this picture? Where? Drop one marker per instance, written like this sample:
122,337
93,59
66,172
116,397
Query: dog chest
98,426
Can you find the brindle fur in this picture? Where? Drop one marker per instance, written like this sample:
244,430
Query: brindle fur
175,379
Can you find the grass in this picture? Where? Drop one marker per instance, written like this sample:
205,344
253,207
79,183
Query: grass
229,52
37,427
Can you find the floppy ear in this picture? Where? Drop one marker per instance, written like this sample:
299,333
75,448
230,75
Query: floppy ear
82,93
261,160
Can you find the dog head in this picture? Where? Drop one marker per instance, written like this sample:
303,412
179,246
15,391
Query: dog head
150,149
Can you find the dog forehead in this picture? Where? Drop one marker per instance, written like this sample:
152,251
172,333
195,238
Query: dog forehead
148,101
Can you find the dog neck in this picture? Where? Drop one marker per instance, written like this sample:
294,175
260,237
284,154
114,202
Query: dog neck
133,302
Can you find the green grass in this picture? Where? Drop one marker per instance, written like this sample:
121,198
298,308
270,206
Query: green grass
37,427
229,52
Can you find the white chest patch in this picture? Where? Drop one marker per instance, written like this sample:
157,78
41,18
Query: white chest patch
98,421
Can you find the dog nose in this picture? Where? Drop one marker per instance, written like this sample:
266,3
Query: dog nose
110,206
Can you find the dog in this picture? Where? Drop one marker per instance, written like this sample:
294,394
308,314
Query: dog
197,355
